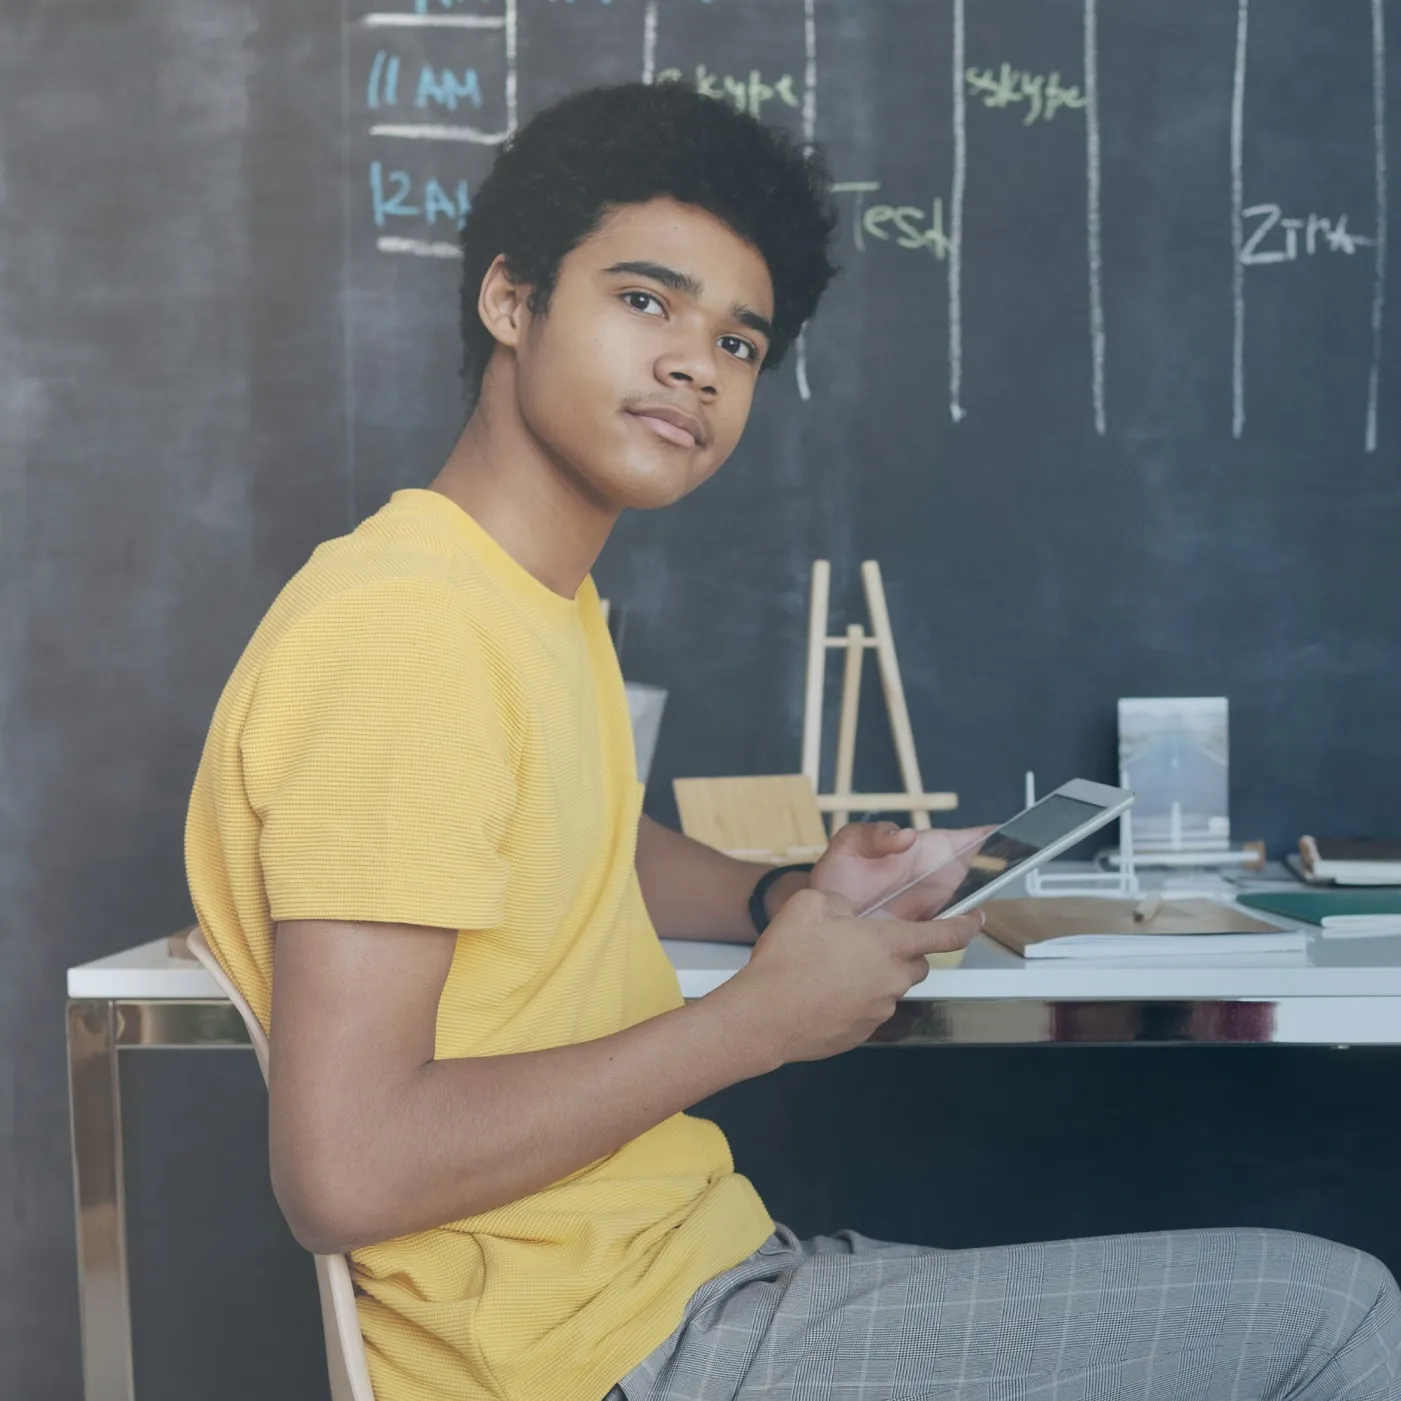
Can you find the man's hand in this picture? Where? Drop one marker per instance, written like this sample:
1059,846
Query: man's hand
820,981
867,860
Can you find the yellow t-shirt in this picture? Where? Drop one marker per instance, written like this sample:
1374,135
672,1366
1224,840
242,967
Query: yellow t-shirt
421,732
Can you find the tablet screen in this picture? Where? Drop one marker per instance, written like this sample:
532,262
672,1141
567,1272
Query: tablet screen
1025,835
1011,844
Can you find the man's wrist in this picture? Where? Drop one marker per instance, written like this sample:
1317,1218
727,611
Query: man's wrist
728,1014
786,886
772,889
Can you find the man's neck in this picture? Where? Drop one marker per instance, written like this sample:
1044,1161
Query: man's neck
525,498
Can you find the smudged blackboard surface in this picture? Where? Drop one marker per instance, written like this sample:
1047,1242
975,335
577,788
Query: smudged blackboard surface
1112,424
1107,385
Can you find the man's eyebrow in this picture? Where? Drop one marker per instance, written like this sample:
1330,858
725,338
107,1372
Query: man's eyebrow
678,281
691,286
753,320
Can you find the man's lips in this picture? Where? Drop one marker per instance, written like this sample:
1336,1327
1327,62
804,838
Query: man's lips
674,425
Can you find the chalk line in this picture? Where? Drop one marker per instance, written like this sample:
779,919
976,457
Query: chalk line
402,21
1379,280
418,247
960,181
800,366
809,74
425,131
1238,222
800,359
649,42
510,66
1092,213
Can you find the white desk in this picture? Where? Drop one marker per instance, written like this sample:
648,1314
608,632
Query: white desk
1338,992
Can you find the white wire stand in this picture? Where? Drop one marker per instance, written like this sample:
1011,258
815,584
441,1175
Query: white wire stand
1121,884
1197,855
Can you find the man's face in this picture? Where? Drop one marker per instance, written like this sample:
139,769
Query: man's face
640,375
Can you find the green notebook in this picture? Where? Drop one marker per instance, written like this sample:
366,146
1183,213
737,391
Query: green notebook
1312,905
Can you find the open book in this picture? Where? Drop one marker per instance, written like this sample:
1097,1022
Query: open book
1090,927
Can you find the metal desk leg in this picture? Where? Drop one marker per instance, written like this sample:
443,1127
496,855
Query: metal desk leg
95,1111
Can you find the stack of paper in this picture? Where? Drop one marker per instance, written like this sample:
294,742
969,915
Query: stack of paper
1361,926
1089,927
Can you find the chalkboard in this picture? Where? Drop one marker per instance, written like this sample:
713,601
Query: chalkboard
1104,385
1107,385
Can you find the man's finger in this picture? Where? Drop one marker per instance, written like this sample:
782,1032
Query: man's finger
921,904
945,935
940,935
919,970
885,838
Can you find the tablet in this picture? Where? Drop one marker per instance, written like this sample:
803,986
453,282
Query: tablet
967,876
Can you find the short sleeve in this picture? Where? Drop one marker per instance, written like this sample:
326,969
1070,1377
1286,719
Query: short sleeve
377,761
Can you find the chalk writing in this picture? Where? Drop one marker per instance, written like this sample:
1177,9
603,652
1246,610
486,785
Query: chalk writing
1044,94
427,98
430,79
443,88
437,88
908,226
397,194
749,94
1278,238
438,78
382,86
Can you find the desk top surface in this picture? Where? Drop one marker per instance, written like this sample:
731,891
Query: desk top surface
1327,968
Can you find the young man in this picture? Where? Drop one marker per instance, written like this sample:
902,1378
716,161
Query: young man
415,842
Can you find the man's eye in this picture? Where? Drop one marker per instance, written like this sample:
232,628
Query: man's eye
740,348
644,302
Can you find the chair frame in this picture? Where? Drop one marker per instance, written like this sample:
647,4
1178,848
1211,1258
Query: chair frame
340,1319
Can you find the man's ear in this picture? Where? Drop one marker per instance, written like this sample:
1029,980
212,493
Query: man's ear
501,304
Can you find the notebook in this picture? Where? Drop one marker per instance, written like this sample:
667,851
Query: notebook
1089,927
1312,906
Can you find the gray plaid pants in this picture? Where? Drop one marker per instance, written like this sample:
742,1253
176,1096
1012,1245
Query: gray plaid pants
1179,1316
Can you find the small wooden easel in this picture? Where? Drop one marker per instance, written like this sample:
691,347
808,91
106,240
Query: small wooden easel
841,802
779,817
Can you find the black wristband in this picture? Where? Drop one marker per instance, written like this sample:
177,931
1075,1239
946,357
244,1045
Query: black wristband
758,911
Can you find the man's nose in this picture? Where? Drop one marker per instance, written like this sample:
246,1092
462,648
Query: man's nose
692,365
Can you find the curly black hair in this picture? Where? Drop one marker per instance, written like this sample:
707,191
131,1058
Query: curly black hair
557,178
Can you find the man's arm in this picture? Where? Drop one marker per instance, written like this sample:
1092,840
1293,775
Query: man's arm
693,891
372,1138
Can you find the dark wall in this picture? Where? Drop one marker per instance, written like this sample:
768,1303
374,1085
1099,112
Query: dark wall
208,363
172,442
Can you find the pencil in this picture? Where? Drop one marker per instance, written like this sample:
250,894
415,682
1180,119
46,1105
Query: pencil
1146,909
